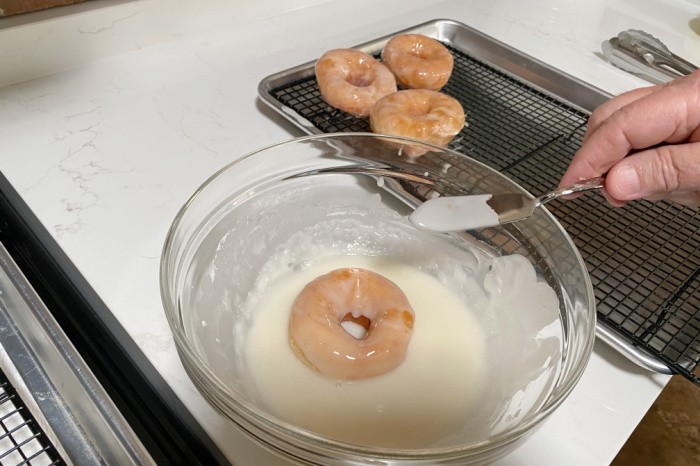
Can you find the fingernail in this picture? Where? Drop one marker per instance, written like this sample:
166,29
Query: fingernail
627,182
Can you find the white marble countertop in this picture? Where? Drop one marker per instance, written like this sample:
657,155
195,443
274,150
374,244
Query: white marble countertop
120,110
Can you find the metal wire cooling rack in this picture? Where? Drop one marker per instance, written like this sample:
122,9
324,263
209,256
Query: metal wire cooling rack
644,259
22,441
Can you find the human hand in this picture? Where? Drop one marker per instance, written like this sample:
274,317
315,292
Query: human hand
647,141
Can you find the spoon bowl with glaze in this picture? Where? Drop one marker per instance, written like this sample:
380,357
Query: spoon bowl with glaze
458,213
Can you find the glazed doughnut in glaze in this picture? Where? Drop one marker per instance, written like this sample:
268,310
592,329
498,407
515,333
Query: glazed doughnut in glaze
422,114
363,297
418,62
352,80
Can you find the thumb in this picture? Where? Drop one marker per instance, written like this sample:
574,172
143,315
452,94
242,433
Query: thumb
670,171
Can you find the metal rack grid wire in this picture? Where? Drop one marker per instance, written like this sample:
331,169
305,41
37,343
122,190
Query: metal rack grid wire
22,441
643,259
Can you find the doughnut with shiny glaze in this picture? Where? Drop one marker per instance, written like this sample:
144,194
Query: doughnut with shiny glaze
418,62
352,80
360,296
421,114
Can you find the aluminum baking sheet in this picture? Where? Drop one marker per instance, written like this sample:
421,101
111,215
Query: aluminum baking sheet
526,119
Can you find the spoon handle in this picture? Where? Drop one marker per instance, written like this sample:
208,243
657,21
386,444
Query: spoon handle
583,185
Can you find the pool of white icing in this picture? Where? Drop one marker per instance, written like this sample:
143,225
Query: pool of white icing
487,340
461,372
418,403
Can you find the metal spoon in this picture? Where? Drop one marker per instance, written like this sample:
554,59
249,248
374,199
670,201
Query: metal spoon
458,213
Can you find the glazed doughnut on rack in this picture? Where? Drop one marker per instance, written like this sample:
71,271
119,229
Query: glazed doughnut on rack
352,80
418,61
422,114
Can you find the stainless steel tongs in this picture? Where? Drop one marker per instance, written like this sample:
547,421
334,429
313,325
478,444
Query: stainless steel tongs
646,56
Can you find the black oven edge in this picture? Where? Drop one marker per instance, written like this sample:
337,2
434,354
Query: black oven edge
165,427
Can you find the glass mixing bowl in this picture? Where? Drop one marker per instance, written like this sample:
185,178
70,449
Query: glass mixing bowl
252,231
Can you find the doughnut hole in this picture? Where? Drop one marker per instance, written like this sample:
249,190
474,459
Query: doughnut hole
362,76
357,327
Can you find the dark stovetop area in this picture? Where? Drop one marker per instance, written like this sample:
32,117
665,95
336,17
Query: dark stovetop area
165,427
